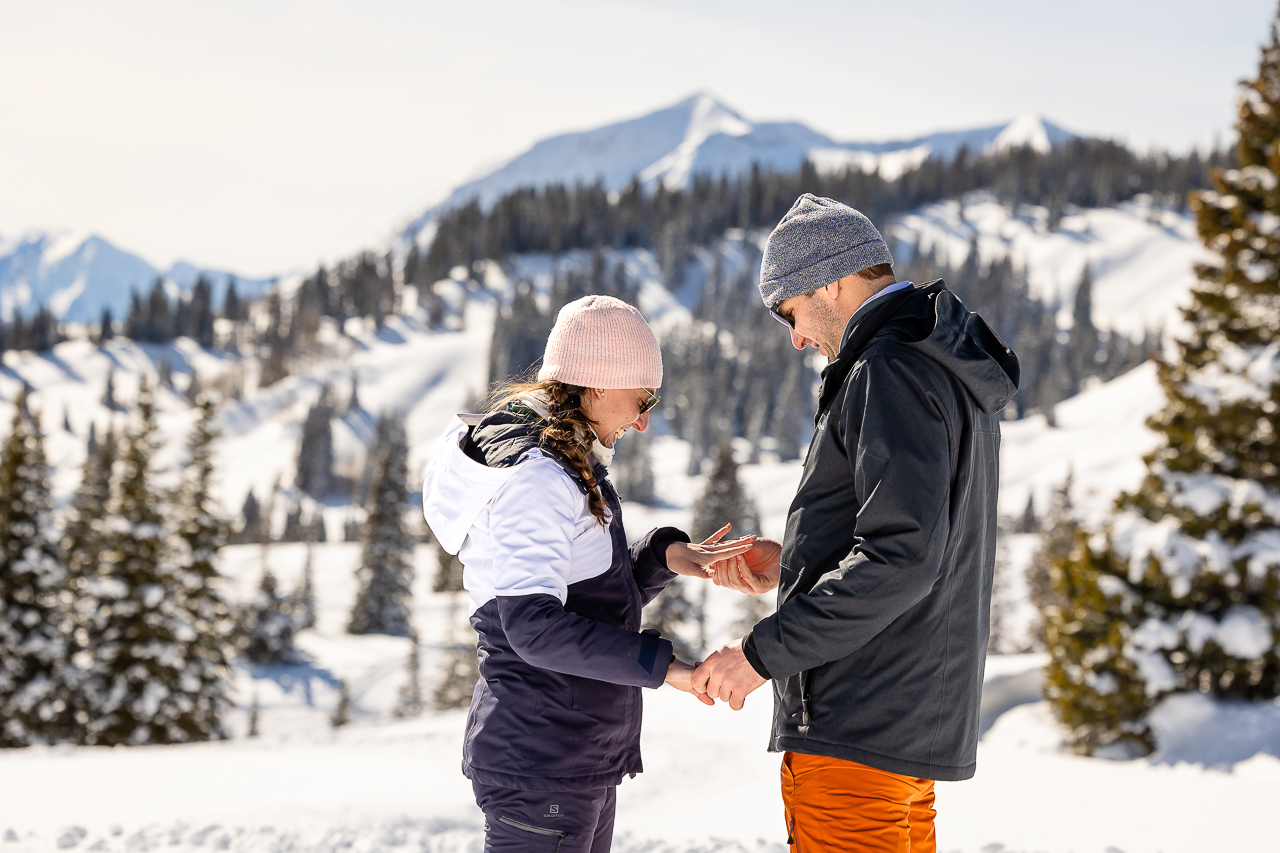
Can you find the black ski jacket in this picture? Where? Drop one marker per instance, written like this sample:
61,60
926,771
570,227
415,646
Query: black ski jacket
877,648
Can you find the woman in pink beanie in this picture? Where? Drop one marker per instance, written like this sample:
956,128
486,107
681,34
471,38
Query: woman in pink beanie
522,495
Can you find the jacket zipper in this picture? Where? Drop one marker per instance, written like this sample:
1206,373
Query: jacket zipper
536,830
804,699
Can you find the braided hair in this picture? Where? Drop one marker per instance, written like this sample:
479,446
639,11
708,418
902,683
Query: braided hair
566,430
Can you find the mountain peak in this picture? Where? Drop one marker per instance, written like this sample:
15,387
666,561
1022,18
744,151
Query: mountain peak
1032,130
702,135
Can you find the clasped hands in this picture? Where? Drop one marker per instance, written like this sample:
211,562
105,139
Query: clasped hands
749,565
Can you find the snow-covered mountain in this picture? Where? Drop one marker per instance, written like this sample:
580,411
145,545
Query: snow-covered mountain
701,135
75,276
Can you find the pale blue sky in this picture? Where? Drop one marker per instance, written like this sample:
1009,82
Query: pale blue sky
263,135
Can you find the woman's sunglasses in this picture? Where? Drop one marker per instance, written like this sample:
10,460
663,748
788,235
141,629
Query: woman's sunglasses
646,405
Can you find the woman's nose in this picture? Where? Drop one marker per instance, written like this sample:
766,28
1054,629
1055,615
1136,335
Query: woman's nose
642,423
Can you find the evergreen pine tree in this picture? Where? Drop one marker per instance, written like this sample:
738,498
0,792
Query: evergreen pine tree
386,570
83,538
255,714
631,471
202,317
1083,361
342,714
106,327
723,500
674,615
250,521
304,599
109,393
1029,523
315,450
461,668
36,678
353,402
137,689
1181,592
409,702
203,534
448,571
266,626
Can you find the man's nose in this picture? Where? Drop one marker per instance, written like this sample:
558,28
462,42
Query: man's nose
798,340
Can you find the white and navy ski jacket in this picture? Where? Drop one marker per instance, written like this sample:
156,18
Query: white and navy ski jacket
555,599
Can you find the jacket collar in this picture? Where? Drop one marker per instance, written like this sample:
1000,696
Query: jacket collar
861,328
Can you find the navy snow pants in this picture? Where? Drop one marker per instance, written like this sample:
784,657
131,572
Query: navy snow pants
546,821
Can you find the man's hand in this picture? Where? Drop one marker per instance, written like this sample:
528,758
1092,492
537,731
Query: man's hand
680,676
755,571
727,675
698,559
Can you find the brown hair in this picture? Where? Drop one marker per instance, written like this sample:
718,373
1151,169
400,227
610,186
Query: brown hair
566,429
876,272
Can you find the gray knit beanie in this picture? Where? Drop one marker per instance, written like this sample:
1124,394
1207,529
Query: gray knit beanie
819,241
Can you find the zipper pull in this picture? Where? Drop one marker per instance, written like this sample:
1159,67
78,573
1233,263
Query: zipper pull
791,831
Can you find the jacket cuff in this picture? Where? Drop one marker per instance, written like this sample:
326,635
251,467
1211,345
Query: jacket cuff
661,539
753,657
656,654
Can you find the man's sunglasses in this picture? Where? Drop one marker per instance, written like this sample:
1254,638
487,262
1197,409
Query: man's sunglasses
646,405
790,324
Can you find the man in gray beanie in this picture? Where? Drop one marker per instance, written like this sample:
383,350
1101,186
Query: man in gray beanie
877,648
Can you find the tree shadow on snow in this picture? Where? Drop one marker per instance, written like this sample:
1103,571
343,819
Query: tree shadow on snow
1003,693
296,676
1214,733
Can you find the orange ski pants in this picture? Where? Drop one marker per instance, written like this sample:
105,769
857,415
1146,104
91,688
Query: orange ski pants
833,804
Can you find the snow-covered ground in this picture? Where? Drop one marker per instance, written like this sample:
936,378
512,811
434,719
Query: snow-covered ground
381,784
709,784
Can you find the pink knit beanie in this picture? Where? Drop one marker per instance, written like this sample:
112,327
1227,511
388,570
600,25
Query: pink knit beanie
602,342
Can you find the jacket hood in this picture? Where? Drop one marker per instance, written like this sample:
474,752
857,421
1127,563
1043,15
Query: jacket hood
933,320
459,486
478,455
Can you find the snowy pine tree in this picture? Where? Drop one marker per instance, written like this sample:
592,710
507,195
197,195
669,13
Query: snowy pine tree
674,615
82,541
203,534
342,714
1181,593
36,678
448,571
631,471
461,668
386,567
138,688
255,715
266,626
724,501
315,450
409,702
304,599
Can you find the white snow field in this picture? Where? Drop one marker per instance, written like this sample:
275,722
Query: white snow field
709,786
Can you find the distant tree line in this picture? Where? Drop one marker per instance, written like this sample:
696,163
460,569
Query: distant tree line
558,218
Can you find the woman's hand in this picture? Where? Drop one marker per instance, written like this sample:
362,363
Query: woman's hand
680,676
753,572
698,559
